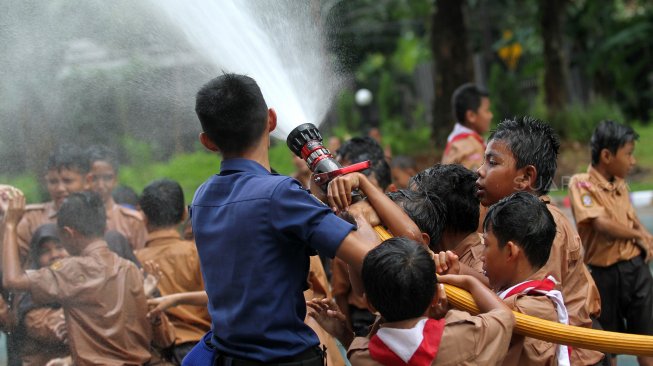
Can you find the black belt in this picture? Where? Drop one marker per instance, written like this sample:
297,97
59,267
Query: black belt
313,356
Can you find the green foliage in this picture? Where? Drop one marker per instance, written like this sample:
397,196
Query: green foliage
406,141
576,122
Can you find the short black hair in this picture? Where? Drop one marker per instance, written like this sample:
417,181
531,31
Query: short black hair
84,212
125,195
232,112
70,157
162,202
428,215
525,220
466,97
612,136
399,279
455,186
532,142
358,149
42,234
102,153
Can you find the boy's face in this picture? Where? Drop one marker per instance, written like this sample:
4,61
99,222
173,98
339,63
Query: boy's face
623,161
102,179
480,119
51,251
400,177
63,182
494,261
497,177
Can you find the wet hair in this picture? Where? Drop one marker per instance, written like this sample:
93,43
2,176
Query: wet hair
526,221
532,142
399,279
44,233
102,153
69,157
84,212
455,186
428,215
162,202
232,112
466,97
125,195
403,162
612,136
358,149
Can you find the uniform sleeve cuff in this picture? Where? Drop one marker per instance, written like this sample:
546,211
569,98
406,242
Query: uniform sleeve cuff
329,234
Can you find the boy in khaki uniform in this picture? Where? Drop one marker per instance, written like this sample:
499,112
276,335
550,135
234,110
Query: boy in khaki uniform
399,281
512,164
515,250
617,245
102,178
465,144
101,293
162,203
455,187
66,170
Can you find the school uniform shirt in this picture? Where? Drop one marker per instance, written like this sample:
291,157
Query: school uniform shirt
319,288
465,340
35,216
180,265
470,251
578,289
526,351
464,146
593,196
128,222
255,232
104,305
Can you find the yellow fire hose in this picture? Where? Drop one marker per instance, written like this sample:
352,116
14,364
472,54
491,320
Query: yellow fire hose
530,326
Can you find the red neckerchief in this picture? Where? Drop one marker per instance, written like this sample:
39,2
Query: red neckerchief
464,135
535,287
425,353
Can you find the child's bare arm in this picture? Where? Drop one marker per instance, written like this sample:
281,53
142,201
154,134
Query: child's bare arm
391,215
14,277
607,226
485,299
161,304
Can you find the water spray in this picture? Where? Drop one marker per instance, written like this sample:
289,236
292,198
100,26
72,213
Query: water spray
305,141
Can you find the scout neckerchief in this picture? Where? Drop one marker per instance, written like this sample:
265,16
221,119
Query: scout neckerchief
545,287
417,346
461,132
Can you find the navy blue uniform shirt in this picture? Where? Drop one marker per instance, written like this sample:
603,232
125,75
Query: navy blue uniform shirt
254,232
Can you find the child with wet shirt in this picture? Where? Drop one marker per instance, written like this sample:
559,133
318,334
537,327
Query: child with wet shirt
617,245
102,179
521,155
400,283
101,294
66,171
518,234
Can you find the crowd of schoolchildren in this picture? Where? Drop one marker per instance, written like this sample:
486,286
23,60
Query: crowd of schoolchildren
94,278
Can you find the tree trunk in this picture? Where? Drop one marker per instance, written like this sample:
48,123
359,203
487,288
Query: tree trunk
453,63
555,63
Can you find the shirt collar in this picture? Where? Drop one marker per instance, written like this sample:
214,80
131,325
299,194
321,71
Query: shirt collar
242,165
155,236
459,129
617,186
98,244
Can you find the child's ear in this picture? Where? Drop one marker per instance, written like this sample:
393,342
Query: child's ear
88,181
208,143
605,156
512,250
391,188
527,178
426,239
272,119
470,116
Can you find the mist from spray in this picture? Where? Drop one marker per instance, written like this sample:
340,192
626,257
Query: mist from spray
278,43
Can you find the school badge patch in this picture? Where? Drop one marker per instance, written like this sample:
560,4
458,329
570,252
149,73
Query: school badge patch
587,200
56,265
